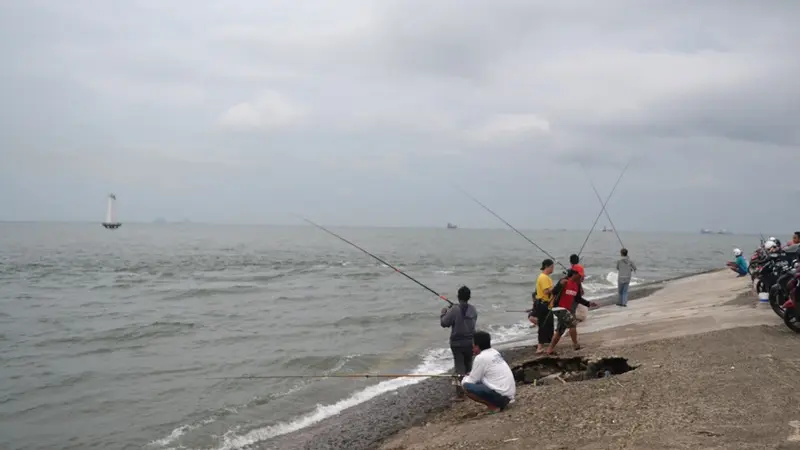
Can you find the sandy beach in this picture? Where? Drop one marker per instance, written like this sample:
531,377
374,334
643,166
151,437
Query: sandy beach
713,370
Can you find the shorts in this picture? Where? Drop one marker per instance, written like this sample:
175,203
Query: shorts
565,320
487,395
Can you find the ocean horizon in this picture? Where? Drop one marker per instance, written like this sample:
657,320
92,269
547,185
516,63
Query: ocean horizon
598,228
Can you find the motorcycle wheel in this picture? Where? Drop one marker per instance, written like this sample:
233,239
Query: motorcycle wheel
792,320
776,302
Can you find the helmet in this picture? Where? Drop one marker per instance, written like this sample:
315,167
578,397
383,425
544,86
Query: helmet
769,244
772,239
737,252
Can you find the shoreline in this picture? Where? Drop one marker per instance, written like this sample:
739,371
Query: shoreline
712,369
367,425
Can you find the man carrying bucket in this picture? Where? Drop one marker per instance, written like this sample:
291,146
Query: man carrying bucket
567,295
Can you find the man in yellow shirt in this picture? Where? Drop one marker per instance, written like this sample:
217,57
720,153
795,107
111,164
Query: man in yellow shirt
541,314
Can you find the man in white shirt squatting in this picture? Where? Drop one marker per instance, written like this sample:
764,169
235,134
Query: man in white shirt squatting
490,382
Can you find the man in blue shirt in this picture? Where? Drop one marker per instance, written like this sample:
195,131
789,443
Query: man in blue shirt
739,265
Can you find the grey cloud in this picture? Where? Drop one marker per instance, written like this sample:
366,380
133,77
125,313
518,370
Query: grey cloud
362,100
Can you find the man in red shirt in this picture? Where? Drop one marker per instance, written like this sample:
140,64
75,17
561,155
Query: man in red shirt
567,294
575,261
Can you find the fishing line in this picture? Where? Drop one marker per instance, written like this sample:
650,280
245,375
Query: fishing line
512,227
340,375
379,260
625,169
599,199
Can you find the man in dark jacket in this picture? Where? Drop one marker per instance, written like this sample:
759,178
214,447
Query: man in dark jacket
461,320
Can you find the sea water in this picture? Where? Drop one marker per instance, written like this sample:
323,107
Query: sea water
110,338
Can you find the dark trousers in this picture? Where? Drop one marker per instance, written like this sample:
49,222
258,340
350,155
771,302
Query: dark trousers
544,317
462,358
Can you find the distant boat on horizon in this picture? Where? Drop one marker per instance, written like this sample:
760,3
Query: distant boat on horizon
451,226
708,231
111,214
605,230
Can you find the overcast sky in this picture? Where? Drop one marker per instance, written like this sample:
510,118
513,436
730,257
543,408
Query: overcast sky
368,112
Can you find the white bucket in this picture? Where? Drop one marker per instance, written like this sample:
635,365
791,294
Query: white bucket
763,297
582,313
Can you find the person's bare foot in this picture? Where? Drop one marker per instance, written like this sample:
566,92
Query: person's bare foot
576,347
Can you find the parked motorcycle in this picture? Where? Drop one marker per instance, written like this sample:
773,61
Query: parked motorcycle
772,274
791,316
779,292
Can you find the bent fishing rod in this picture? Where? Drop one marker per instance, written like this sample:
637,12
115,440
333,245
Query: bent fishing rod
339,375
599,199
379,260
625,169
511,226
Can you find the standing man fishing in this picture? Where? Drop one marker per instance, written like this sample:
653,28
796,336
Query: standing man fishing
568,293
461,320
625,269
541,312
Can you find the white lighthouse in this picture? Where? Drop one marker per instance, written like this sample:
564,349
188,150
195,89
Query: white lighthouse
111,214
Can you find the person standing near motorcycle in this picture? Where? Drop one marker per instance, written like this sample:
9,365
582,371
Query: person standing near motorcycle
794,246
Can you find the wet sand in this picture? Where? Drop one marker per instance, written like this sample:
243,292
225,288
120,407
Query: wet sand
367,425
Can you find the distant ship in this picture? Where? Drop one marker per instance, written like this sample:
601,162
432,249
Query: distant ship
606,229
111,214
451,226
707,231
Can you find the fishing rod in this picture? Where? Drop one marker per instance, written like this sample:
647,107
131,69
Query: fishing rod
625,169
379,260
512,227
599,199
339,375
